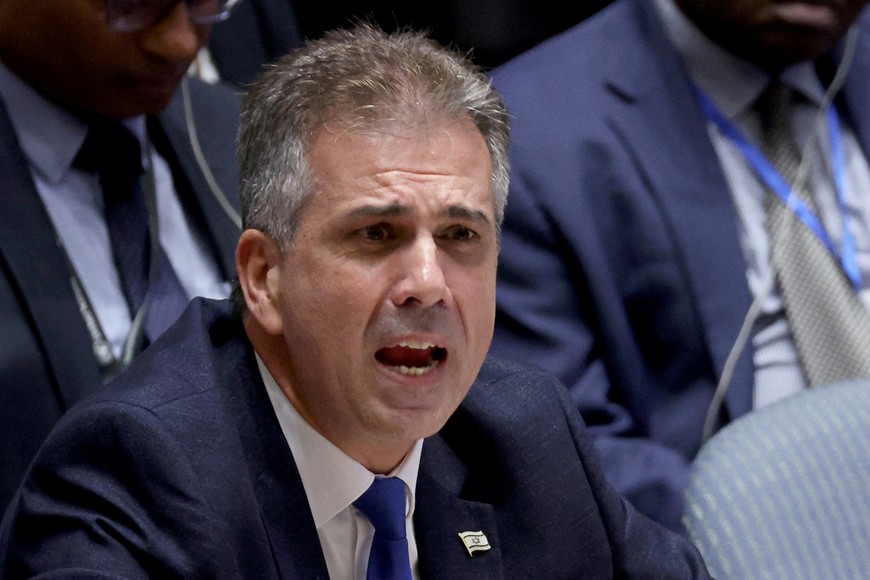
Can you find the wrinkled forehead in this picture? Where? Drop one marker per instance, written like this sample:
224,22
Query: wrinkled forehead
455,142
448,162
405,127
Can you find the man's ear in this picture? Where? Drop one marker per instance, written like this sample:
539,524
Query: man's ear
259,262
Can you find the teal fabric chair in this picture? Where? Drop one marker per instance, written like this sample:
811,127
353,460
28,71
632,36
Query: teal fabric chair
784,492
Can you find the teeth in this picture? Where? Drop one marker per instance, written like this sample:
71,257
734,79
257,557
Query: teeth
416,371
416,345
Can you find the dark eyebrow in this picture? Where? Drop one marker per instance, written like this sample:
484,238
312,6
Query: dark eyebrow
395,209
465,213
391,210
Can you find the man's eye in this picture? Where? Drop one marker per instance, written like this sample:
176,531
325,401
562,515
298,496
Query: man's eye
375,233
461,234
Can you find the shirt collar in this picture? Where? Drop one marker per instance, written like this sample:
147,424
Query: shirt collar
733,83
49,135
332,480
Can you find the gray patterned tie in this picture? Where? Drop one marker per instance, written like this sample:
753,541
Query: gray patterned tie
829,323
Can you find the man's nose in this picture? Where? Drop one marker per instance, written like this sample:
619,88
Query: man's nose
421,275
174,38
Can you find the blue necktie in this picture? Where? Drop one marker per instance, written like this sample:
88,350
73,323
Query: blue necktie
384,506
111,151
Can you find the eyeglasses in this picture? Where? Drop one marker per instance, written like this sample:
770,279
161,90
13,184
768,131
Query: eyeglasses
134,15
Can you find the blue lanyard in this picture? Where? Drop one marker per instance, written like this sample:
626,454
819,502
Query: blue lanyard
779,186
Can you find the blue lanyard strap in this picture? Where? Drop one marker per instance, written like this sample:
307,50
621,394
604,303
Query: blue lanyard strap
774,180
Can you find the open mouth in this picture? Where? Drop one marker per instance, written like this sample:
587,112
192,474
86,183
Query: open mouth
412,357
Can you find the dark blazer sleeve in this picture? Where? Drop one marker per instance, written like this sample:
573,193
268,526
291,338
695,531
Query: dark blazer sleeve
568,302
621,269
112,495
544,319
177,469
46,360
257,33
641,547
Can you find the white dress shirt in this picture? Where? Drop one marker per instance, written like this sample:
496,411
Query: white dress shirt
332,482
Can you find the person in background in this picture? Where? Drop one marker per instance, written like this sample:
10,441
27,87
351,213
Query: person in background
255,34
651,219
342,419
119,197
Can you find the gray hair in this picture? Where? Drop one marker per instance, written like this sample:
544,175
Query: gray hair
361,78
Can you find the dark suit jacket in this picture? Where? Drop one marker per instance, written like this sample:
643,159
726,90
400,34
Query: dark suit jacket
180,470
46,362
621,270
257,33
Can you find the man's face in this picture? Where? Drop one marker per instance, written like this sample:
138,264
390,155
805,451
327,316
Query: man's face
387,297
774,33
66,50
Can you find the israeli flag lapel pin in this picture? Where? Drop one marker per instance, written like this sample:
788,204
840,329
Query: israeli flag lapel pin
474,542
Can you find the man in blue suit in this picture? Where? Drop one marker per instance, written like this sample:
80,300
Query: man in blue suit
65,66
635,238
258,441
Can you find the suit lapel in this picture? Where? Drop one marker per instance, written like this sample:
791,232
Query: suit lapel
216,135
661,123
441,514
280,494
287,518
37,266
